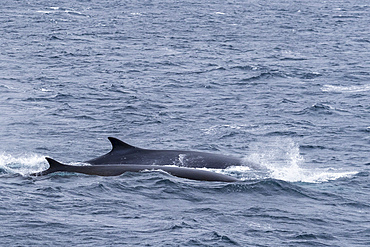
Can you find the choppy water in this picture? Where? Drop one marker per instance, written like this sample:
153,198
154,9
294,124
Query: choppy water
285,84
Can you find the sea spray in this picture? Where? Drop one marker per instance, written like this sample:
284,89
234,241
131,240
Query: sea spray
22,164
282,159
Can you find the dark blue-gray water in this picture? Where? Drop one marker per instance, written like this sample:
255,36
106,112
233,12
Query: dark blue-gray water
284,84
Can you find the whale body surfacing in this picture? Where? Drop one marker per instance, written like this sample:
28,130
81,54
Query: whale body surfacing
123,153
127,158
115,170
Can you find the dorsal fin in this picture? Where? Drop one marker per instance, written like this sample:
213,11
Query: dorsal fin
119,145
54,166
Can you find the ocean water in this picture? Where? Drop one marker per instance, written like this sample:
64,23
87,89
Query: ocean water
284,84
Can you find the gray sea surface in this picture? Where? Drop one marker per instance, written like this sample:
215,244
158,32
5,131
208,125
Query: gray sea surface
283,84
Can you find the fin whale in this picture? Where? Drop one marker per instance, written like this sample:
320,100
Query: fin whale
123,153
115,170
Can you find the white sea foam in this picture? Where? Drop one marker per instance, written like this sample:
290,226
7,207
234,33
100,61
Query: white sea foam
23,164
45,11
52,10
46,90
346,89
218,128
282,160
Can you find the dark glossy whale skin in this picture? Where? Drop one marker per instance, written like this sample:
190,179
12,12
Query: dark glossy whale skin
115,170
123,153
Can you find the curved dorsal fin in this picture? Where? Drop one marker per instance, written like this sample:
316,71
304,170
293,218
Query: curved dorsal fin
53,163
119,145
55,166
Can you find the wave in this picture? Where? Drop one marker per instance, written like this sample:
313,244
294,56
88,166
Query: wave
57,10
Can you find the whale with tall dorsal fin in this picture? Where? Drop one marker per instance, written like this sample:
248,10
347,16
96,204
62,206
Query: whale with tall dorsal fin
123,153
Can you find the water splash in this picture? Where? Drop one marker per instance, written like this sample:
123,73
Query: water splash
23,164
282,160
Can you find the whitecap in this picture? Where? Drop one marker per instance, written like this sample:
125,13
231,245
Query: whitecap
345,89
49,11
76,13
220,128
46,90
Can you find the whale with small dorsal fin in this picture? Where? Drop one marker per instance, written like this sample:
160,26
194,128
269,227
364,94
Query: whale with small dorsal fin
115,170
